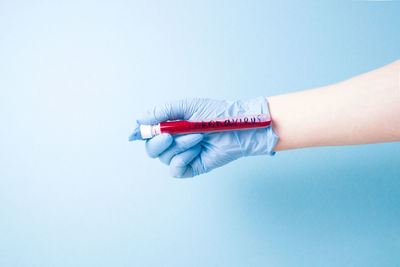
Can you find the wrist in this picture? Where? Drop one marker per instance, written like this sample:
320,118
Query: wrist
264,140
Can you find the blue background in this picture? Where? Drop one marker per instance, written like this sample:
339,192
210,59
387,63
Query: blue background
74,192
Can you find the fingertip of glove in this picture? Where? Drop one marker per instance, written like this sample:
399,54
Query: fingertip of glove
136,133
198,137
158,144
189,140
178,172
182,176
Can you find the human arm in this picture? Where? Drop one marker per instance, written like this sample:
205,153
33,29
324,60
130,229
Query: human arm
362,110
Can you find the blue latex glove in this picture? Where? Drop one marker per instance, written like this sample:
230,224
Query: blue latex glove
193,154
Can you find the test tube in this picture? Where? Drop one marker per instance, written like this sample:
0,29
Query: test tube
180,127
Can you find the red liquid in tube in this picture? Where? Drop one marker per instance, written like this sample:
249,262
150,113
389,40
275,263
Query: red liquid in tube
244,122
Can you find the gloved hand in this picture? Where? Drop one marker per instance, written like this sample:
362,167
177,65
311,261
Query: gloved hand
193,154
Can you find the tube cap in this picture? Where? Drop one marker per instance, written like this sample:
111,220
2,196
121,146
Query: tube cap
146,131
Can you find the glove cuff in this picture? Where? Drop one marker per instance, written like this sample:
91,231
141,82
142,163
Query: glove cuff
259,105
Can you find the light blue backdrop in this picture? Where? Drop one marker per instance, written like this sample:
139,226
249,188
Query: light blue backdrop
74,192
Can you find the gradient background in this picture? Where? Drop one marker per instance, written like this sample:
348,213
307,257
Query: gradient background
74,192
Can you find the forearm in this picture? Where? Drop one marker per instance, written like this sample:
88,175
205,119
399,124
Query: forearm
361,110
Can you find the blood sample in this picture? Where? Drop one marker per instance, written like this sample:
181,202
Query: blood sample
244,122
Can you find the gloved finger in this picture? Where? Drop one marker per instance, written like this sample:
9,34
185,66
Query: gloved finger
195,167
179,163
174,110
158,144
180,144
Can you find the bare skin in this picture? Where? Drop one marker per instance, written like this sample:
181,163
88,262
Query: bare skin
362,110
